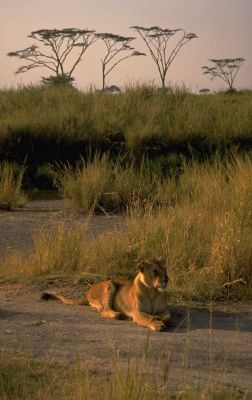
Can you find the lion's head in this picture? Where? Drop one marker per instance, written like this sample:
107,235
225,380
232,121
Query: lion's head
154,273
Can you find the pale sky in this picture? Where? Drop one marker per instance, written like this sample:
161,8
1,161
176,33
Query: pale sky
224,28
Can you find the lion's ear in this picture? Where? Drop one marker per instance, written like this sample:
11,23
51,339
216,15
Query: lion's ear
142,265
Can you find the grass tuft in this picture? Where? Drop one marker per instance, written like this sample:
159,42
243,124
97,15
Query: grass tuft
11,194
100,184
86,185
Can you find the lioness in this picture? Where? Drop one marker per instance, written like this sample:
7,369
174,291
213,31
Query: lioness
143,299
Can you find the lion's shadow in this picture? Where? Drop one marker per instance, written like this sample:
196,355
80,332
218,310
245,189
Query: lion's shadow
186,318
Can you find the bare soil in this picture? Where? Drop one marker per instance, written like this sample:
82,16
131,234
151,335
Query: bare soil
209,345
203,346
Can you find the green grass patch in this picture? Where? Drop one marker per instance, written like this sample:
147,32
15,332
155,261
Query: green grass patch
22,379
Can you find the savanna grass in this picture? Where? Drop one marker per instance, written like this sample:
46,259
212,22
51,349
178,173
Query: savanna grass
11,194
205,231
139,114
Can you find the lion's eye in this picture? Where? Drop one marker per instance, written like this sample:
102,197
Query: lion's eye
155,272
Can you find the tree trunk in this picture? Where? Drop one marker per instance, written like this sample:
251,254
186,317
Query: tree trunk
103,76
163,81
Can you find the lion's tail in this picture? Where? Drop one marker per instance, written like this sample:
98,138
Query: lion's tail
52,296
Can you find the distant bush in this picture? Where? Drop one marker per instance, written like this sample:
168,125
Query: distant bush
60,80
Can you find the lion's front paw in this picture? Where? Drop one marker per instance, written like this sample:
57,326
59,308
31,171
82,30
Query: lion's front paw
112,314
157,326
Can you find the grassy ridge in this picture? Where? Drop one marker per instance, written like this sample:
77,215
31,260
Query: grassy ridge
134,118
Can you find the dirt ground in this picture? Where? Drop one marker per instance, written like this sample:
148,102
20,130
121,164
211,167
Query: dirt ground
200,348
203,346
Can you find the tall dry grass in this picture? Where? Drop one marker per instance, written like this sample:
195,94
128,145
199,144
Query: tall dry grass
11,194
106,185
205,231
86,185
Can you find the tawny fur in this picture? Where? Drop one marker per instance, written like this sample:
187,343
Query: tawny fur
143,299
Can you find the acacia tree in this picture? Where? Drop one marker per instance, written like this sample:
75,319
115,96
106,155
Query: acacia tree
162,50
60,44
225,69
118,49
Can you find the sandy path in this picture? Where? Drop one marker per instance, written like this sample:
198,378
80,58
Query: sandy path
199,348
17,227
